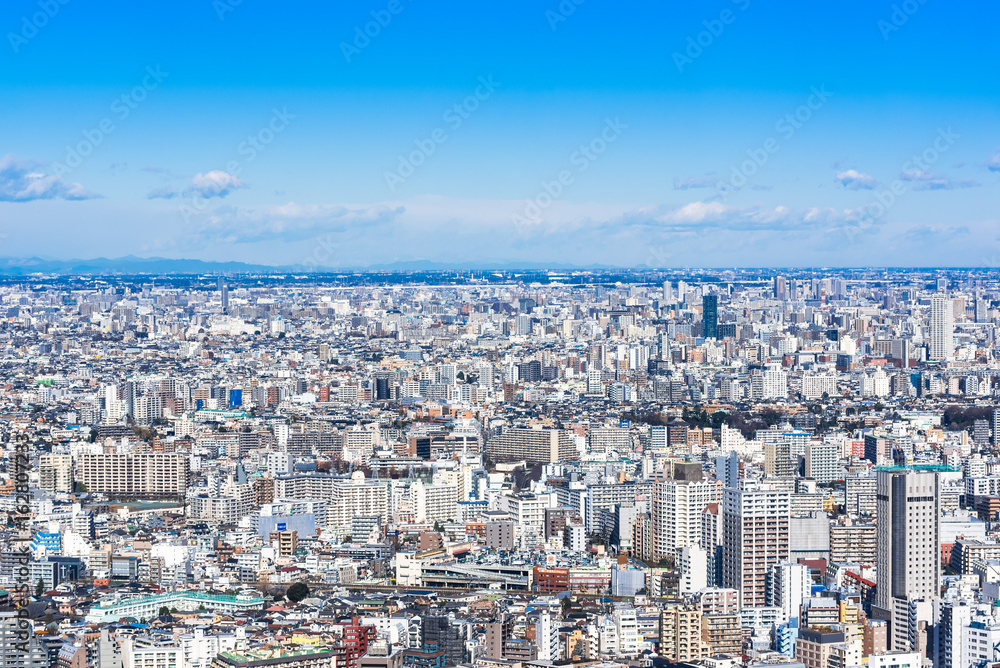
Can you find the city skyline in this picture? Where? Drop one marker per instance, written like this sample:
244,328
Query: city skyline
573,133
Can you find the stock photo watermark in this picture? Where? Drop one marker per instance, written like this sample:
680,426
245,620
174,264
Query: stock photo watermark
364,34
121,108
580,159
322,253
704,39
223,7
562,12
31,24
901,13
916,167
248,150
786,127
454,116
658,256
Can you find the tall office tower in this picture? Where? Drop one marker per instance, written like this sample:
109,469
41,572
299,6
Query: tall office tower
996,426
908,562
981,307
130,393
780,288
682,288
942,328
666,291
676,514
225,298
755,520
710,316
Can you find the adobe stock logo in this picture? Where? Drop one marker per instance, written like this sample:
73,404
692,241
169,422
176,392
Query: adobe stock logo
899,16
786,127
696,44
30,25
454,116
121,108
550,191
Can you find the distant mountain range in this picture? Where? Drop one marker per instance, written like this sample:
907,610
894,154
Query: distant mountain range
131,264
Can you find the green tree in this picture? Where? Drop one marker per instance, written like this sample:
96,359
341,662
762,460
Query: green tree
39,588
164,611
297,592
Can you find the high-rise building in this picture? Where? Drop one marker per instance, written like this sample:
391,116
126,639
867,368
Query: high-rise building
547,638
497,633
134,475
908,561
710,316
853,544
755,519
778,462
680,633
815,646
55,473
780,288
439,634
774,382
435,502
534,445
676,513
942,328
21,647
821,462
787,586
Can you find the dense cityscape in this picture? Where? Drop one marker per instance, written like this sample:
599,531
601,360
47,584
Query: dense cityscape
504,470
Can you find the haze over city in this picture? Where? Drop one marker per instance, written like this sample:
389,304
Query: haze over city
721,134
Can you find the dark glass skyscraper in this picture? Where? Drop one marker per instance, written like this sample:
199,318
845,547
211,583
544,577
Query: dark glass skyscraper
710,316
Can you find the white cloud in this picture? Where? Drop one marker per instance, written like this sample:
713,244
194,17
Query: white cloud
166,192
925,180
292,222
696,182
994,164
852,179
26,180
698,217
215,183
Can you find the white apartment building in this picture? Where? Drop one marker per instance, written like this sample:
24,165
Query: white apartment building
676,513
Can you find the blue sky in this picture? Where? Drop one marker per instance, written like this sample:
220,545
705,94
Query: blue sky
721,133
